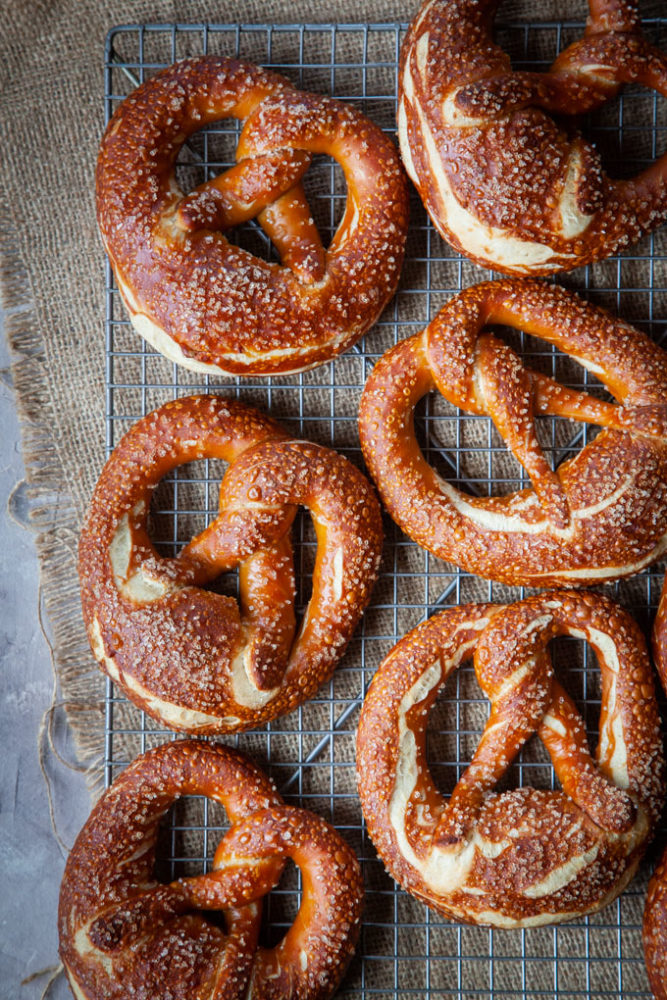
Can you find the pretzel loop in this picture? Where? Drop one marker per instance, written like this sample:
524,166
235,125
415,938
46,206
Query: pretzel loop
321,940
123,934
523,857
191,657
602,514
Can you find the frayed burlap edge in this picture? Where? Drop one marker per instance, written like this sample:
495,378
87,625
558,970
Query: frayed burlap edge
52,512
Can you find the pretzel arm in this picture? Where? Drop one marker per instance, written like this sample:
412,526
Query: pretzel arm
649,420
288,222
552,398
507,391
499,96
243,191
562,732
266,583
267,601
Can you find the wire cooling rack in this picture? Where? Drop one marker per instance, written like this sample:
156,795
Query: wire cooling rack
405,949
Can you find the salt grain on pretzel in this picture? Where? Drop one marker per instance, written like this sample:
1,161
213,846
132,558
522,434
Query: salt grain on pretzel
123,934
207,304
601,515
186,655
504,183
524,857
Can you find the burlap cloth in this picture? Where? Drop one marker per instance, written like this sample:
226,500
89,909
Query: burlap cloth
51,59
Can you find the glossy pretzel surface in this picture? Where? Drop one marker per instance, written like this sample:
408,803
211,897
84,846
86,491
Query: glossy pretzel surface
528,856
654,930
504,179
124,934
206,303
602,514
192,658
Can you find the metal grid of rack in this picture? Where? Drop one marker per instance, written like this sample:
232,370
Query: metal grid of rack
405,949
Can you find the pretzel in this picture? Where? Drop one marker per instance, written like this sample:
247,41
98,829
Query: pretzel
602,515
209,305
189,657
655,911
124,934
524,857
654,931
503,183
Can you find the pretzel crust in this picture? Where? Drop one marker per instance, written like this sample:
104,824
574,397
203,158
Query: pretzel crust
602,515
122,933
190,657
212,306
524,857
504,184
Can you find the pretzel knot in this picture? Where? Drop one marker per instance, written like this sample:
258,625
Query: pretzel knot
123,934
527,856
188,656
601,515
503,183
214,307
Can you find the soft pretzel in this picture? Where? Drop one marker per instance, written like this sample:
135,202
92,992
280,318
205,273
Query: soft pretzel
207,304
655,911
602,515
524,857
123,934
188,656
503,183
654,931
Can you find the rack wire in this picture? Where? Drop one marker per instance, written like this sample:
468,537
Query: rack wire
405,949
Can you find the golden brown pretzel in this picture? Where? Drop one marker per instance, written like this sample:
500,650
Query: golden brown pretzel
655,911
602,515
503,183
212,306
654,931
188,656
523,857
123,934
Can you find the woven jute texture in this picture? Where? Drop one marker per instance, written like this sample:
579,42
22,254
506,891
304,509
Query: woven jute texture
52,279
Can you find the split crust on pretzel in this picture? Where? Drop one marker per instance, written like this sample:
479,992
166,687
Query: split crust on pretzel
524,857
124,934
212,306
503,183
601,515
190,657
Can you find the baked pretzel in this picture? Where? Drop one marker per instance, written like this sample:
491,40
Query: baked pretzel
188,656
655,911
124,934
602,515
654,931
207,304
524,857
503,183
